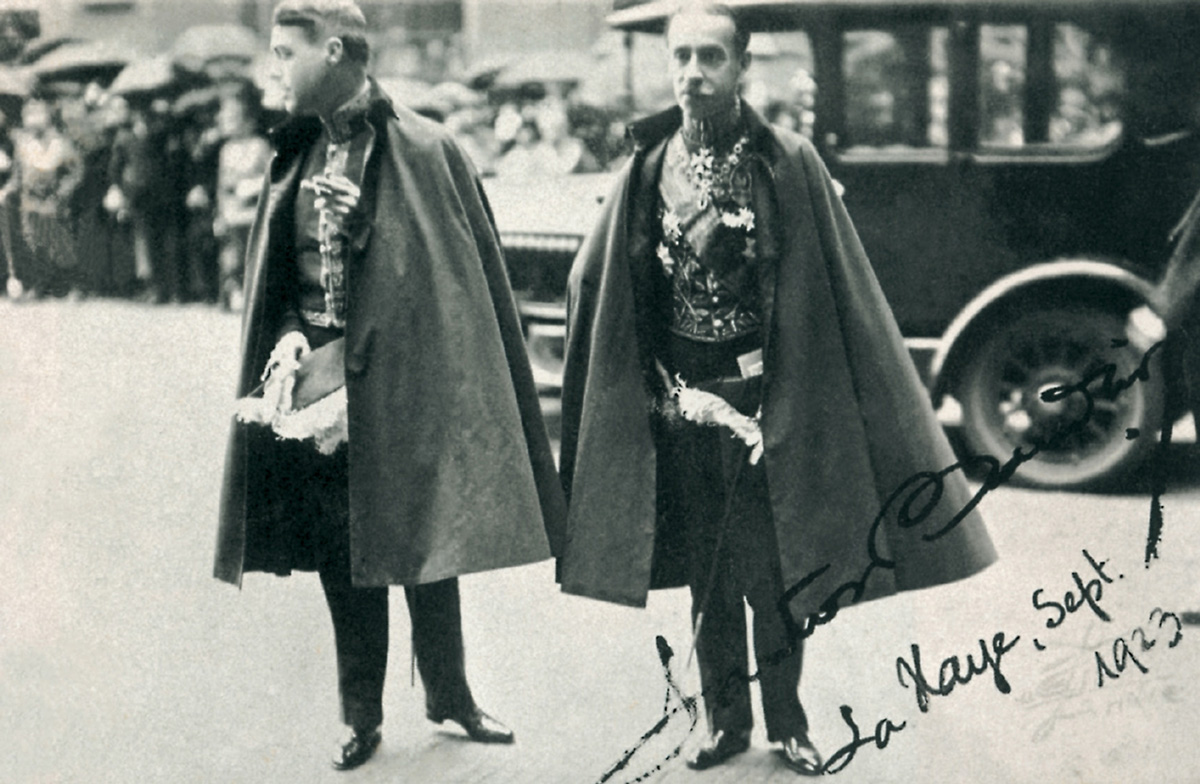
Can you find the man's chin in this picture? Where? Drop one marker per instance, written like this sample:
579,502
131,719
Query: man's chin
700,109
294,106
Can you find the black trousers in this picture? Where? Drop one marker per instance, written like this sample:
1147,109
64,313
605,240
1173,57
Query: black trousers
725,572
318,491
360,627
731,550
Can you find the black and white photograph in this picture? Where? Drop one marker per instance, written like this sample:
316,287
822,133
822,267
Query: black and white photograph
600,391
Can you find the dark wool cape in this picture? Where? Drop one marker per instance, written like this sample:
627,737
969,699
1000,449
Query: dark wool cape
845,418
450,469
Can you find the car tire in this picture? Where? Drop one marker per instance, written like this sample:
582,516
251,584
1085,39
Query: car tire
1022,356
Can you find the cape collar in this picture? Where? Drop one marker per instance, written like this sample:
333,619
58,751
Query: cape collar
649,131
296,134
350,117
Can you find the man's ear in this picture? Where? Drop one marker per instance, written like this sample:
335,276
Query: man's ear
334,50
745,59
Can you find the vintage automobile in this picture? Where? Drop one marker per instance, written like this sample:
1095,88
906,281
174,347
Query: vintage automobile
1014,168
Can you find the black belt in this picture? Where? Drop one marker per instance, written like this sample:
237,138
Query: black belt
696,360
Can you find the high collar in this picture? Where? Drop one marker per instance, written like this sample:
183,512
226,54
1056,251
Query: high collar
649,131
716,134
351,117
296,134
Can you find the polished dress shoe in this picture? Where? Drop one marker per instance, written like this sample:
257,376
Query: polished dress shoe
356,748
480,727
801,756
721,746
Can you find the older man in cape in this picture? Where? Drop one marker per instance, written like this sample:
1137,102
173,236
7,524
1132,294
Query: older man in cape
374,245
726,285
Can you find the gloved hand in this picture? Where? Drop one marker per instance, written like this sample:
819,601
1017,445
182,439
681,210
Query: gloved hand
1144,328
197,198
115,201
280,373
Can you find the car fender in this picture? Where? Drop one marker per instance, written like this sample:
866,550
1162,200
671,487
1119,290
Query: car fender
1096,280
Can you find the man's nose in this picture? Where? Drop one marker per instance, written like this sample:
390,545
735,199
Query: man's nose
690,69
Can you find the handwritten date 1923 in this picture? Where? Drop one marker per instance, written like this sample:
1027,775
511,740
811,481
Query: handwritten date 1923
1123,650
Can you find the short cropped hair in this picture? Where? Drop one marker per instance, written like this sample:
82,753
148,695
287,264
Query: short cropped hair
741,35
341,19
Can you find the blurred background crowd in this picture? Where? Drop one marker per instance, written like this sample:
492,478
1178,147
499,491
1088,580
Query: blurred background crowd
126,177
133,132
138,178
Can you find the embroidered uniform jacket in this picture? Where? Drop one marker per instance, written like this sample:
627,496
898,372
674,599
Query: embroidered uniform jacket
450,469
846,420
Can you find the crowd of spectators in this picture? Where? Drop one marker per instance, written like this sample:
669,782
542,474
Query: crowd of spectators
149,198
544,138
546,134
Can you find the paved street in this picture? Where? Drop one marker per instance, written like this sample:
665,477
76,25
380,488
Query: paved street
122,660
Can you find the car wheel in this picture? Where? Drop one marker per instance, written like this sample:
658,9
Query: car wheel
1022,357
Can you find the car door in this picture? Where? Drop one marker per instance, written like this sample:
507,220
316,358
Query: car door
888,126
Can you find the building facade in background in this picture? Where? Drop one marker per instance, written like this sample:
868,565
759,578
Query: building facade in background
430,39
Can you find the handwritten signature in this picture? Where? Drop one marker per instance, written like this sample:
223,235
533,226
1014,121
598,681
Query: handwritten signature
918,497
913,489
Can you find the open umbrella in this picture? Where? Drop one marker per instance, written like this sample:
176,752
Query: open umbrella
40,47
197,100
83,61
152,74
201,45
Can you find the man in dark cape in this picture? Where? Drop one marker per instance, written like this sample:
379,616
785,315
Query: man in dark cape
838,508
447,469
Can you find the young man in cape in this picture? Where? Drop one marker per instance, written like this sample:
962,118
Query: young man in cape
372,230
726,284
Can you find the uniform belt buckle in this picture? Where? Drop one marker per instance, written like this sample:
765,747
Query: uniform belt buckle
751,363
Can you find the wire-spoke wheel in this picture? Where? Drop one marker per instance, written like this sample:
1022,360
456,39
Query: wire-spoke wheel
1080,442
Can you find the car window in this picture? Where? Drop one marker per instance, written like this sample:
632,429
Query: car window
1067,99
1090,89
896,88
1002,67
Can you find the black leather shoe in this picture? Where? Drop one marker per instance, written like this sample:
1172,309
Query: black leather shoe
480,727
801,756
356,748
721,746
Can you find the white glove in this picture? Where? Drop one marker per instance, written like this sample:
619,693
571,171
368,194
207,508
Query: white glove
280,373
114,199
197,198
287,353
1144,328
